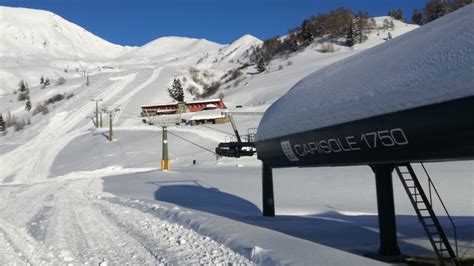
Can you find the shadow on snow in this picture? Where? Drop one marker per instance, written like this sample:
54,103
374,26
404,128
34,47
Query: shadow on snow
346,232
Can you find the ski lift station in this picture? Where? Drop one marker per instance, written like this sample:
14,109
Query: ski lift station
409,100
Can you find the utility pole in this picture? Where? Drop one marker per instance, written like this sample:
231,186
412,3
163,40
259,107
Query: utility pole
97,124
100,120
86,75
111,114
165,162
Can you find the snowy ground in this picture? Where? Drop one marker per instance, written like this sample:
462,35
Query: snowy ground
67,195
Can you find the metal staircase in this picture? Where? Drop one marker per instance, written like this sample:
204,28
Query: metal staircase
423,205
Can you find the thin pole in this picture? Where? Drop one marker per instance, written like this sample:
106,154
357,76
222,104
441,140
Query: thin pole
232,122
111,134
165,162
97,114
100,120
97,125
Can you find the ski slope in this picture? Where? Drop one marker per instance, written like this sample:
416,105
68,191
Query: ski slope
67,195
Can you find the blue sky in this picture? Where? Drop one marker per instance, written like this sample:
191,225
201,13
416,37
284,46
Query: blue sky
136,22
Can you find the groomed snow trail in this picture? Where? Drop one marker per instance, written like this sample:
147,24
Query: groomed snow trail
63,126
68,220
55,220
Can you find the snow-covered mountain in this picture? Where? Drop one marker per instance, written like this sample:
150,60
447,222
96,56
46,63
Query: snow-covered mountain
33,33
173,47
236,52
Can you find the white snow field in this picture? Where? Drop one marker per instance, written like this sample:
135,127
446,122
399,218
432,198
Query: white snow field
69,196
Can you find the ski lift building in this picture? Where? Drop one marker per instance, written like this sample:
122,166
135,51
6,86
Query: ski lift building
187,107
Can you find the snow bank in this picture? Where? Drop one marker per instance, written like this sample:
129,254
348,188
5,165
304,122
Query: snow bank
429,65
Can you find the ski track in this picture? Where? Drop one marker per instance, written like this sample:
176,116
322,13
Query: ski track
68,220
186,246
64,219
61,129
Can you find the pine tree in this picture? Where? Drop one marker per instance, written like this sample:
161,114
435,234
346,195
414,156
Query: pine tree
28,105
23,91
41,80
46,82
176,90
396,14
306,34
2,123
295,44
434,9
416,17
350,36
22,86
261,65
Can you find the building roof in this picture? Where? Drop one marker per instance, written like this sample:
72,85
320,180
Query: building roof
204,101
159,105
190,102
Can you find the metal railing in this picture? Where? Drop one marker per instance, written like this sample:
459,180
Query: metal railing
431,186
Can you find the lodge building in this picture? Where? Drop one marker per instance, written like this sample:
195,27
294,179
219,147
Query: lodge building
194,112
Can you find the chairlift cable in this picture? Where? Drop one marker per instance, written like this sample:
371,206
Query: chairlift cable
174,134
222,131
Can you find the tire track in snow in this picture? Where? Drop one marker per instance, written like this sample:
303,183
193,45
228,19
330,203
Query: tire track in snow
83,234
22,247
83,227
125,99
177,244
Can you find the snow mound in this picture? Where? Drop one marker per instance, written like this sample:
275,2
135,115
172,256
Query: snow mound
30,32
173,46
428,65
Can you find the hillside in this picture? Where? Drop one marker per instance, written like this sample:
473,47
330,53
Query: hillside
68,195
36,33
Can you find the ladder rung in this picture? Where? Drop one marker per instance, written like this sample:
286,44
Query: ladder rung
422,209
409,179
401,172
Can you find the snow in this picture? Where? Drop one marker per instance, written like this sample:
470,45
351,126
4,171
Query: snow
37,43
27,32
69,196
429,65
173,47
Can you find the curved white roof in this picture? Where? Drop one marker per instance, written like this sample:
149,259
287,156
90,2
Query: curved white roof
432,64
